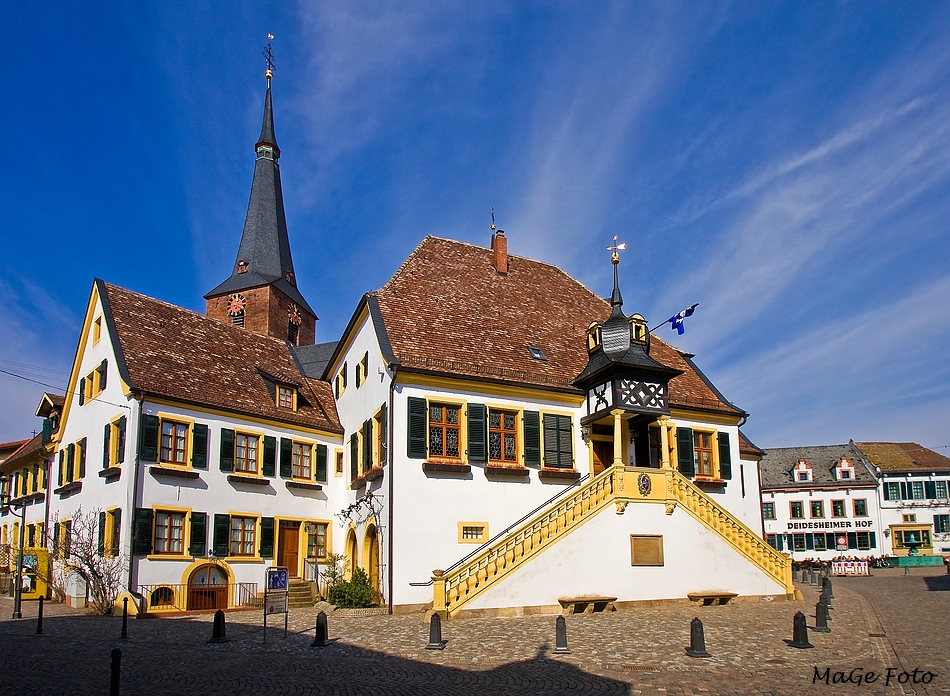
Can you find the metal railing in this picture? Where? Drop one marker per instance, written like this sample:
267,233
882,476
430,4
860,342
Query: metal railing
183,597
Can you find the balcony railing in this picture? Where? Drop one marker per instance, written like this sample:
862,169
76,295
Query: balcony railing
180,597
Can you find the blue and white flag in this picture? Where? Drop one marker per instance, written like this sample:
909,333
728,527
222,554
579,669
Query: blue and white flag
676,321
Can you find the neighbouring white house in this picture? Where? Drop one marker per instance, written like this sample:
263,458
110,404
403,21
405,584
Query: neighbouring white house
821,502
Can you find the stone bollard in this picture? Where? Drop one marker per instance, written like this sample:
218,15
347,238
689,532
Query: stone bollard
39,617
814,577
697,639
829,590
821,617
321,632
800,633
218,630
114,676
906,570
125,618
823,601
435,634
560,637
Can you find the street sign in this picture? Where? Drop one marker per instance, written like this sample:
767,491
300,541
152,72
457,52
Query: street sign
842,543
276,604
277,579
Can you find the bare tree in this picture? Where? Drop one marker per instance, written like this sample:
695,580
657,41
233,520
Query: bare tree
81,545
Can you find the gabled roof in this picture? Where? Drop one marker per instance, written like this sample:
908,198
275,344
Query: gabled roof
903,457
28,449
167,351
446,310
777,465
749,448
313,359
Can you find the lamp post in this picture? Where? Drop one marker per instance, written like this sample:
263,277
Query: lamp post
7,501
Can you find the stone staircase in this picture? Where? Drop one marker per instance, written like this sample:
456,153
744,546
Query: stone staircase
469,578
300,594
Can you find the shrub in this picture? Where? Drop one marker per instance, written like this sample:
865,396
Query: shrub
355,594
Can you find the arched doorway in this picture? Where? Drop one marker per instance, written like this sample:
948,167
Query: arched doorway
371,555
208,588
352,559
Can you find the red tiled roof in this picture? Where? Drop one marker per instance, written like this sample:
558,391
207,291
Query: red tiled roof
447,310
178,354
746,446
25,451
903,457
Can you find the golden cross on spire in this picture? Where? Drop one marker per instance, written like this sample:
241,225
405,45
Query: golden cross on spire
269,59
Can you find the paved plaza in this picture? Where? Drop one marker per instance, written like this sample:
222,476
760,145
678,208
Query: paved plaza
886,621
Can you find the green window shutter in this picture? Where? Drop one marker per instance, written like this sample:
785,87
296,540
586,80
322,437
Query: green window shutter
222,530
269,458
477,433
286,458
532,438
930,489
368,445
142,529
82,390
199,446
102,534
82,457
149,447
70,462
418,422
120,445
227,458
725,456
197,545
874,540
383,435
106,441
354,456
47,431
558,441
103,370
321,463
267,537
852,540
684,451
62,468
116,531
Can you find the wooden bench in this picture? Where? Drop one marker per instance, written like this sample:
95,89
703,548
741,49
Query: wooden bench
588,604
710,599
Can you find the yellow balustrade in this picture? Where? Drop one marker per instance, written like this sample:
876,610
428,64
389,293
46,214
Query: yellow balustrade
459,586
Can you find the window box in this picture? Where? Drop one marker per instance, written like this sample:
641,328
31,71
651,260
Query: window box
559,474
501,470
113,472
303,485
157,470
375,473
250,480
446,467
358,482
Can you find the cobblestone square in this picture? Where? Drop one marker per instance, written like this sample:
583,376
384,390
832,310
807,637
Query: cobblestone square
885,621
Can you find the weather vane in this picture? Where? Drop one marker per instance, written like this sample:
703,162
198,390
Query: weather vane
269,58
615,257
493,218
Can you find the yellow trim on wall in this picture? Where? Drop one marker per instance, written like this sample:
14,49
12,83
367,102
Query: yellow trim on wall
231,416
713,418
489,389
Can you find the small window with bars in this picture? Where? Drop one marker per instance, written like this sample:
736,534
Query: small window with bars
473,532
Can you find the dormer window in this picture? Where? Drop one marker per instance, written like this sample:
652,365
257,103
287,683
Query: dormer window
802,473
593,337
286,397
242,266
844,470
638,329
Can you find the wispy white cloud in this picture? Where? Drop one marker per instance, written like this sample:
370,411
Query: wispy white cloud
876,374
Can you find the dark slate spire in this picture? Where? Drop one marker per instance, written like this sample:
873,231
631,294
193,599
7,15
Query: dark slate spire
263,257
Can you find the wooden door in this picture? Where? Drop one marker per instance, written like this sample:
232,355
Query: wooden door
603,455
288,548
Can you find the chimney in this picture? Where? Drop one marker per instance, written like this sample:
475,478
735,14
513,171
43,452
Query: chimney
499,247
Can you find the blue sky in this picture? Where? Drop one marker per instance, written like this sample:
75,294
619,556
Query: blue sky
786,165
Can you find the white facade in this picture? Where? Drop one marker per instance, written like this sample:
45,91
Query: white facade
915,508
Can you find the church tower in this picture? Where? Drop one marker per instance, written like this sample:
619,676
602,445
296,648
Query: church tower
261,294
